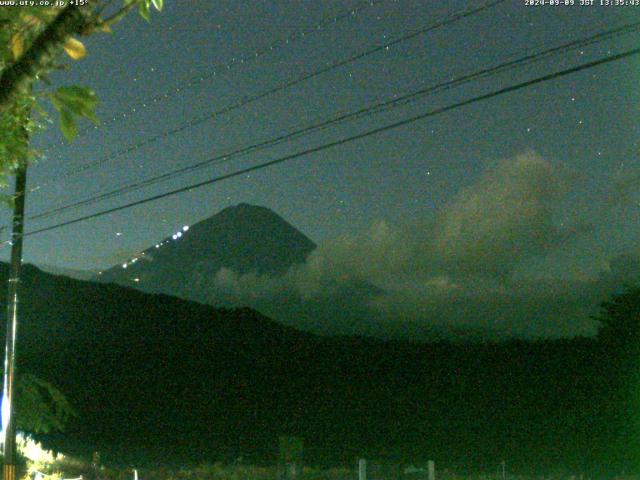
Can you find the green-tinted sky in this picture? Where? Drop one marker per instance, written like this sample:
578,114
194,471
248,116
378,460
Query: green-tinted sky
519,202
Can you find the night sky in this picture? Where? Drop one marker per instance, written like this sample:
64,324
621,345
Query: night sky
515,213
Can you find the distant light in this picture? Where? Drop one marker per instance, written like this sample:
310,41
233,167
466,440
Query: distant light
136,280
157,245
124,265
99,273
119,234
134,260
174,236
179,234
185,228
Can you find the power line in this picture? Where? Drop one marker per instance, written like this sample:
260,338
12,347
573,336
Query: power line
281,87
182,85
345,140
379,107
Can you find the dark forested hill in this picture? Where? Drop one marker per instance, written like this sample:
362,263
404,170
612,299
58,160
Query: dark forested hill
156,378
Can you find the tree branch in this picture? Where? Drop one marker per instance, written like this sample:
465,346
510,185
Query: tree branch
22,73
116,17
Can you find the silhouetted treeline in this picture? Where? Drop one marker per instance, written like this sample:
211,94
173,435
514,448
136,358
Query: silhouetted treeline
157,379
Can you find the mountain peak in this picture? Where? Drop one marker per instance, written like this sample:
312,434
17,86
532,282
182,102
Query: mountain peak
248,206
247,210
244,207
243,238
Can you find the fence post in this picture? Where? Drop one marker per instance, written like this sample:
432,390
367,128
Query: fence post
290,462
95,465
431,469
362,469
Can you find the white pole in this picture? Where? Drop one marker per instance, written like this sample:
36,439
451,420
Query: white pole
431,468
362,469
135,474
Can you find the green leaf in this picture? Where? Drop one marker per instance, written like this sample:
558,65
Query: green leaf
144,11
80,101
68,124
159,4
75,93
75,48
17,45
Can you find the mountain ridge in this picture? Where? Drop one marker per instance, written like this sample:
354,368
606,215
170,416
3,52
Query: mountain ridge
157,378
244,238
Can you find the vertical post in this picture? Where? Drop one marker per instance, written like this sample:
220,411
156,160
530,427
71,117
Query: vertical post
362,469
95,465
431,469
504,470
8,418
290,464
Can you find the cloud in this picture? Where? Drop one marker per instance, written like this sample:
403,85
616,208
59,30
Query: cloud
486,229
465,271
505,216
530,309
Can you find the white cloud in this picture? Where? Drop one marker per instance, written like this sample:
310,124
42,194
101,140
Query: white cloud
502,218
454,273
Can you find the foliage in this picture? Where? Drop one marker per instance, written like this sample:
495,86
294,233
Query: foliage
15,127
71,102
620,319
40,407
32,38
25,31
619,336
219,471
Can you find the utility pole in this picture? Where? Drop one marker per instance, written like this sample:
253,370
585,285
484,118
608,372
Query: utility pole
8,418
